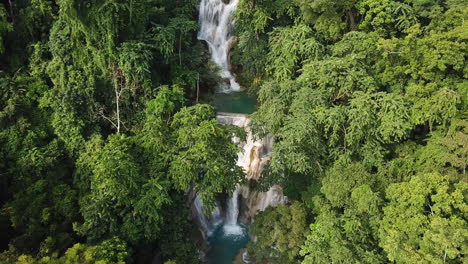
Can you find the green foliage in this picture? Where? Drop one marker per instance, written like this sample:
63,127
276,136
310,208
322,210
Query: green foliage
37,17
206,156
347,218
178,234
360,95
254,19
112,251
425,220
256,16
327,17
383,17
73,74
120,198
28,21
166,37
341,180
43,213
279,233
99,137
446,153
5,27
134,62
167,102
36,196
287,47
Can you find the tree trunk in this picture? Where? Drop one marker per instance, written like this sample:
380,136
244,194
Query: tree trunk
180,48
118,94
198,86
131,9
11,13
352,23
117,102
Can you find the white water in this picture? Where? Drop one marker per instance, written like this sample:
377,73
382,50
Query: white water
252,159
216,28
231,227
255,152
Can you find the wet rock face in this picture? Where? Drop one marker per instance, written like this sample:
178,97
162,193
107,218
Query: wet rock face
245,202
253,202
253,160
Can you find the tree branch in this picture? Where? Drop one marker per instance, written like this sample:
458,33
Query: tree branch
107,118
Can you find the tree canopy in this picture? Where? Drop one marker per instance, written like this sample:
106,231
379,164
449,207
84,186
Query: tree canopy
108,130
367,102
100,133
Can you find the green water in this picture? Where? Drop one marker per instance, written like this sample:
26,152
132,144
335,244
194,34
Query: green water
224,248
235,102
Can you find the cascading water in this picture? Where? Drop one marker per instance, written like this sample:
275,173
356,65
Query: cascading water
231,227
206,224
252,159
216,28
227,241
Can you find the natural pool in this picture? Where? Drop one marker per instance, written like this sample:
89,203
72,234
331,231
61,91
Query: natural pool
226,246
235,102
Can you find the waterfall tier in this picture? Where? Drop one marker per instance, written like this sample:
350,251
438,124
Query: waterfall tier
255,154
216,28
244,202
231,227
252,159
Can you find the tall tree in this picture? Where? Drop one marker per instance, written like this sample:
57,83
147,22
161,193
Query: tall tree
278,234
205,156
425,220
119,197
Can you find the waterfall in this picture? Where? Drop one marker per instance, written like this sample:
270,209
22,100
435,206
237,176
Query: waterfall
206,224
216,28
252,159
231,227
232,211
199,212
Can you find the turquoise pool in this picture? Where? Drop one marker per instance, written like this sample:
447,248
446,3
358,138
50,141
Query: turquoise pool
235,102
225,247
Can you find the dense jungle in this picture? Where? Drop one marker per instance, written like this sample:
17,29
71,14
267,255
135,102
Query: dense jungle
111,136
